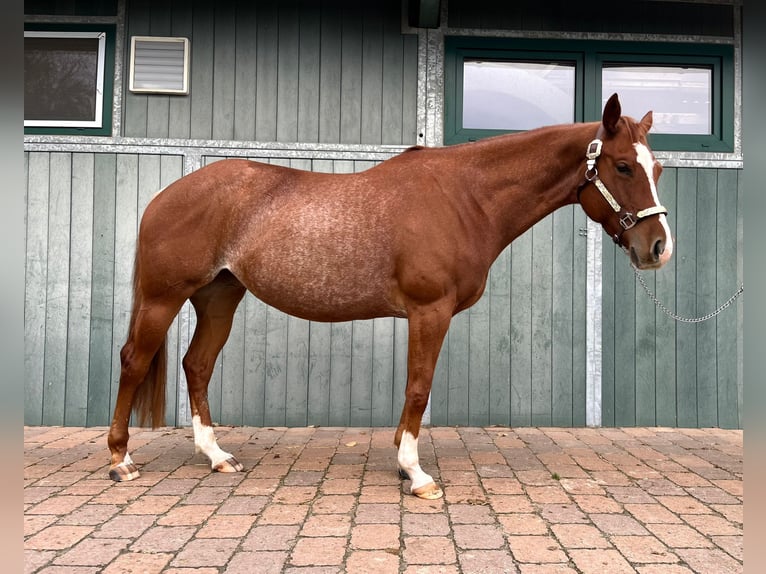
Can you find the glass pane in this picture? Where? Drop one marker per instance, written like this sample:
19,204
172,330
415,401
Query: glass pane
506,95
680,98
60,78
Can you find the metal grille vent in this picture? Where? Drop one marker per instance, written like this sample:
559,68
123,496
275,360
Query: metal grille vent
159,65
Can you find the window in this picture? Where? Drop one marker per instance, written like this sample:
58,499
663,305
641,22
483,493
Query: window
68,80
497,86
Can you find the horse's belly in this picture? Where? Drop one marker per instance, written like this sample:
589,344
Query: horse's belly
320,286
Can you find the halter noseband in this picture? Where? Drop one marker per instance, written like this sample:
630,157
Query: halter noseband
626,218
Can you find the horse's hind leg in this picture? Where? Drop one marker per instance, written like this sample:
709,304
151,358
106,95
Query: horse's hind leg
145,342
215,305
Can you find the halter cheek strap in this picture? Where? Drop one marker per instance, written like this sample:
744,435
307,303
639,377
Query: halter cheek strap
626,218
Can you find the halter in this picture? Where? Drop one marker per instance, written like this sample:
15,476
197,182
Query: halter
626,218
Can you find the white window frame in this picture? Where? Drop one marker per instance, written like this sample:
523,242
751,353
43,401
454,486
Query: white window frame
97,122
159,90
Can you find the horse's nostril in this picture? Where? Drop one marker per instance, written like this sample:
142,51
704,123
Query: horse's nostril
659,248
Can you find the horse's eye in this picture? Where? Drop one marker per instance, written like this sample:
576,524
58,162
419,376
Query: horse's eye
624,169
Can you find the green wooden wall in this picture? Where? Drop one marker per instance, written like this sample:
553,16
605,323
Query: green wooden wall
657,371
288,71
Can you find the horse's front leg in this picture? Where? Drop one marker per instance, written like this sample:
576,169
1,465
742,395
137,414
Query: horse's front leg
427,328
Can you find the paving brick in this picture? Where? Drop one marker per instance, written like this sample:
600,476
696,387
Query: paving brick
326,525
591,504
271,537
318,551
536,549
709,561
150,504
487,561
261,562
478,536
546,569
226,526
57,537
139,563
651,513
553,494
470,514
425,524
58,505
92,552
600,562
679,536
377,514
283,514
375,536
187,515
515,524
618,524
163,539
711,525
125,526
579,536
372,562
206,552
643,549
429,550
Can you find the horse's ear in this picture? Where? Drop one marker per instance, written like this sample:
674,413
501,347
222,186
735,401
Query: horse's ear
646,122
612,112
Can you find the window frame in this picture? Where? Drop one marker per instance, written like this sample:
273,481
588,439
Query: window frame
593,54
105,76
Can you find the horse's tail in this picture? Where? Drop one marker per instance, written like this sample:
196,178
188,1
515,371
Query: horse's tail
149,400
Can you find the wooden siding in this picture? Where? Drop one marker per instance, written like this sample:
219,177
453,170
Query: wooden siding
288,71
658,371
518,356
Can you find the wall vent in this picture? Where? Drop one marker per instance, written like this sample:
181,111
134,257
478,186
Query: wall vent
159,65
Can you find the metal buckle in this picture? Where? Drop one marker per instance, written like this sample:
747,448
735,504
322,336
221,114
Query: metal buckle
594,149
627,221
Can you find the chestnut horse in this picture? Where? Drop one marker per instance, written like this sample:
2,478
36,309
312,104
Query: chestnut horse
412,237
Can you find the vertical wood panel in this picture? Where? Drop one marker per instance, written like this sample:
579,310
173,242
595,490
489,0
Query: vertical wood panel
245,70
384,334
254,392
562,343
686,297
179,107
351,77
308,71
478,360
288,57
665,284
372,74
35,285
80,270
707,385
541,321
330,71
135,105
102,289
521,330
126,224
224,70
267,36
57,280
158,106
202,74
500,340
579,319
726,285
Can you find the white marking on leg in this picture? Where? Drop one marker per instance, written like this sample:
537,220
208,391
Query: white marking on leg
409,461
646,160
127,460
204,442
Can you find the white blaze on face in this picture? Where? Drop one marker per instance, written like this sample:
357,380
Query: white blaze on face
645,159
409,462
204,441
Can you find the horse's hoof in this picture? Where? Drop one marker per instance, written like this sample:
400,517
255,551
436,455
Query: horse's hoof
428,491
229,465
403,474
124,472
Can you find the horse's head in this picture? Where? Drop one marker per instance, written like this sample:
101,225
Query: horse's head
620,188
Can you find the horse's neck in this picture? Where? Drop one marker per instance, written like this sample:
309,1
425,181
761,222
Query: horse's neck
518,180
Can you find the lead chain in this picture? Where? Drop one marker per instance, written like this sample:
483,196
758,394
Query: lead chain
671,314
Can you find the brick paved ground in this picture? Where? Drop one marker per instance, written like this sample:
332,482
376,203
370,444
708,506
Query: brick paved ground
328,500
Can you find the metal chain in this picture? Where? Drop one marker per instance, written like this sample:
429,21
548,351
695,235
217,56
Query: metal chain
671,314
